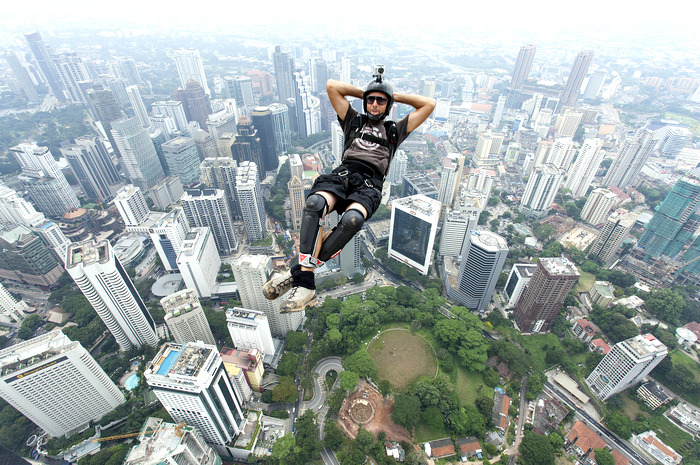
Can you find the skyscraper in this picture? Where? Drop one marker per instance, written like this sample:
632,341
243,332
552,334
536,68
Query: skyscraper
191,383
189,67
196,103
220,123
129,71
615,231
12,311
46,64
249,329
182,158
483,258
523,65
568,122
595,83
627,363
545,294
284,74
573,84
598,205
55,239
519,276
208,207
262,121
280,126
25,258
104,282
241,89
413,228
72,71
173,109
488,149
250,197
298,190
93,168
105,108
221,173
131,205
541,190
397,169
481,180
138,106
185,318
415,183
15,210
455,229
321,75
25,82
582,172
56,383
630,159
450,176
199,262
139,156
167,235
247,145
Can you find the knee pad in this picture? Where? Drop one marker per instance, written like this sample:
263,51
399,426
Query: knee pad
309,236
350,224
315,204
352,220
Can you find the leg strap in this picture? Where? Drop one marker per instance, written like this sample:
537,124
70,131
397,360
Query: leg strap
350,224
310,235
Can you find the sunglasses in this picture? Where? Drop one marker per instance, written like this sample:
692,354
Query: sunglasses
380,100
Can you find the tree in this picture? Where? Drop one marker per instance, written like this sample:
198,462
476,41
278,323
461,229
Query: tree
544,232
535,450
384,387
557,441
406,410
285,391
333,437
483,218
432,416
604,457
295,341
348,380
666,304
484,404
288,365
361,363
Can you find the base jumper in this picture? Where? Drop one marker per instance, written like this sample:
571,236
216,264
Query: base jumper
353,189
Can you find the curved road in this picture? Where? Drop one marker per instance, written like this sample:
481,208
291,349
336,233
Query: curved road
318,402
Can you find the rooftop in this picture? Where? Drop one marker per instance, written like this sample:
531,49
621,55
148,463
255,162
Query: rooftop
88,252
179,359
644,345
559,266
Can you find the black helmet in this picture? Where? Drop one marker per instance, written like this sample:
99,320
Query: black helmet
379,85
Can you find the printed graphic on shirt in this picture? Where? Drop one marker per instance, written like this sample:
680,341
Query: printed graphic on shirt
365,144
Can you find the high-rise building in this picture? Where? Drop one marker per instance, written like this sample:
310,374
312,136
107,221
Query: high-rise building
627,363
483,258
173,109
15,210
182,159
299,188
129,71
412,232
630,159
46,64
280,127
185,318
284,74
56,383
321,75
418,183
12,311
196,102
455,228
167,235
582,172
25,258
105,108
573,84
250,197
481,180
131,205
44,180
55,239
166,192
251,272
498,112
245,368
93,168
559,153
488,149
428,88
541,190
246,146
598,205
672,139
139,157
220,123
519,276
191,383
615,231
523,65
208,207
345,70
199,261
544,295
262,121
25,82
595,83
221,173
138,106
241,89
189,67
249,329
568,122
450,176
104,282
72,71
166,443
397,169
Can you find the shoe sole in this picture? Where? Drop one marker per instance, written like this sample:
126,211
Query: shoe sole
271,292
288,309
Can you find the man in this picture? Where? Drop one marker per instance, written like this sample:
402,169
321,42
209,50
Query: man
354,189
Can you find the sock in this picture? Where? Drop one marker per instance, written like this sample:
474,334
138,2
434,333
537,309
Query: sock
304,279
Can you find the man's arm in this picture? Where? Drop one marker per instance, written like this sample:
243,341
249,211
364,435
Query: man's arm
424,107
337,91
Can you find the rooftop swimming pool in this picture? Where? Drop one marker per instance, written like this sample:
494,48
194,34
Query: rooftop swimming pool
131,382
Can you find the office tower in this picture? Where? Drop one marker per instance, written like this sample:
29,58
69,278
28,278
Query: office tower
241,89
351,258
15,210
189,67
483,257
250,197
222,173
672,139
11,310
308,107
412,232
166,443
262,121
208,207
481,180
131,205
25,82
298,190
166,192
93,168
139,157
675,220
615,231
284,74
567,122
129,71
199,261
56,383
246,146
582,172
573,84
196,103
43,179
104,282
118,87
280,127
25,258
249,329
442,109
345,70
173,109
488,149
450,176
519,277
418,183
245,368
595,83
296,167
498,112
428,88
138,106
220,123
46,64
103,104
541,191
397,169
630,159
167,234
72,71
598,205
191,383
206,147
559,153
627,363
454,232
54,238
523,65
544,295
158,138
185,318
163,123
182,159
321,75
251,272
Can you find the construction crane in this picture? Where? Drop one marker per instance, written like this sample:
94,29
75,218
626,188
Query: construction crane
178,432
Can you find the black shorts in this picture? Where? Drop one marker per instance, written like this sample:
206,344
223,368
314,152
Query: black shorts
362,187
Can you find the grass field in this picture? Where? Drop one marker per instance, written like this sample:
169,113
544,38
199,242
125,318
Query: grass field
425,434
585,281
534,345
470,385
678,357
402,357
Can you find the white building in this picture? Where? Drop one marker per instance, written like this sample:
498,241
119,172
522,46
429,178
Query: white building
11,310
413,228
167,234
654,447
191,383
582,172
598,205
450,176
15,210
208,207
104,282
199,261
55,238
519,276
166,192
398,167
616,229
481,180
454,232
249,329
139,157
189,66
174,114
138,106
488,149
541,191
185,318
131,205
627,363
250,197
56,383
251,272
93,168
337,143
631,157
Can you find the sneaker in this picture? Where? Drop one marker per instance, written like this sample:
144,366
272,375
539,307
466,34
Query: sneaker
277,285
298,299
